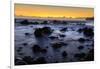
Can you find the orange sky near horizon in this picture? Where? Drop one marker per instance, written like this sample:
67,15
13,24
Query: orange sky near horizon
52,11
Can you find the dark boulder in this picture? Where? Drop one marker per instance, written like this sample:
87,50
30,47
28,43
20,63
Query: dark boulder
80,56
39,32
64,54
62,35
81,47
53,37
24,22
27,34
25,44
40,60
36,49
63,29
43,50
81,40
28,59
90,56
88,32
56,45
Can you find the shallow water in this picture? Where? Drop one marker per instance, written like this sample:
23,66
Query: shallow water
52,55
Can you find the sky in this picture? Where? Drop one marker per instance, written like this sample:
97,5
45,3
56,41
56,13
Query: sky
32,10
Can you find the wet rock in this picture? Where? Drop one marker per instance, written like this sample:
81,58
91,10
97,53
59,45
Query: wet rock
63,29
63,44
36,49
56,45
64,54
24,22
27,34
53,37
19,49
88,32
20,63
39,32
25,44
62,35
28,59
80,30
90,55
81,47
40,60
81,40
44,50
21,53
79,56
44,22
46,30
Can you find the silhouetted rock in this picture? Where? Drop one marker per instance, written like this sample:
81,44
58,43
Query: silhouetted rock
19,49
36,49
43,50
28,59
44,22
88,32
24,22
56,45
62,35
53,37
21,53
80,56
20,63
40,60
25,44
80,30
46,30
63,29
64,54
90,55
27,34
39,32
62,44
81,40
81,47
